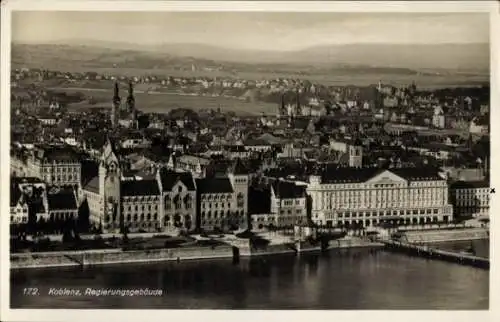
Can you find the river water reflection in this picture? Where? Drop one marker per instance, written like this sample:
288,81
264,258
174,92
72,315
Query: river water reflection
354,279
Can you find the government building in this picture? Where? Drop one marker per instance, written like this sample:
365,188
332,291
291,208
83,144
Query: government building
370,196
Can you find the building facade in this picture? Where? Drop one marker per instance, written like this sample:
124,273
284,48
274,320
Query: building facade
288,203
470,198
55,165
178,200
370,196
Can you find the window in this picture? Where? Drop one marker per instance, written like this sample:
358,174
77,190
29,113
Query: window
178,203
168,203
240,201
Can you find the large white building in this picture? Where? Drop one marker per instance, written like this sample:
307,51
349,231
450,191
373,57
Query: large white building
370,196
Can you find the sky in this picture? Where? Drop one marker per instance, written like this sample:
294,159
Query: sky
250,30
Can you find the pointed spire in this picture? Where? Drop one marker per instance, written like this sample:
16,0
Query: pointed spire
298,111
283,107
116,92
130,98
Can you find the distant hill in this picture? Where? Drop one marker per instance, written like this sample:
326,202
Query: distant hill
467,57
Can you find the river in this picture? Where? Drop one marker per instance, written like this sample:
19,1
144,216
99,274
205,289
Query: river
349,279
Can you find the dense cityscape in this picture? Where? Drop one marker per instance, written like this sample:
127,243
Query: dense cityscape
160,177
367,157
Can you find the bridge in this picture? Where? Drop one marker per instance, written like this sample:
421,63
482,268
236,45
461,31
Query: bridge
432,253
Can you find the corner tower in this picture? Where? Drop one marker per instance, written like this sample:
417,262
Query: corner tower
109,187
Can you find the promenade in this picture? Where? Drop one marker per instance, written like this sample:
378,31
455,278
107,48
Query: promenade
432,253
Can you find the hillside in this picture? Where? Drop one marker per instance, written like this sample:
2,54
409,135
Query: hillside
354,59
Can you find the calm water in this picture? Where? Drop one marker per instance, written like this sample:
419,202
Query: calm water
355,279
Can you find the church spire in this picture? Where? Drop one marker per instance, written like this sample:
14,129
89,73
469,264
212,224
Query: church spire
115,106
116,95
130,98
298,108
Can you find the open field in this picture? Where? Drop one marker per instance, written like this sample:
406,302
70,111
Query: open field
164,102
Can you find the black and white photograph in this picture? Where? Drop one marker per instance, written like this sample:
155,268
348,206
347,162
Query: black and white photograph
247,159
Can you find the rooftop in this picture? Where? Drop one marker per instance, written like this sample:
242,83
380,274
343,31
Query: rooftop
140,188
62,200
169,178
470,184
287,190
214,185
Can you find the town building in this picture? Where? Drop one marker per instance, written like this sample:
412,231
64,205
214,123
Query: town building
352,148
178,200
116,202
438,118
370,196
62,204
55,165
18,206
288,203
470,198
223,200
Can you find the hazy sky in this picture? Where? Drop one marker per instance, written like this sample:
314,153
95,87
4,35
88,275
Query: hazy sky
268,31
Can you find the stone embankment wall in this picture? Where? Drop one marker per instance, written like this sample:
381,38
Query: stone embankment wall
90,258
433,236
352,243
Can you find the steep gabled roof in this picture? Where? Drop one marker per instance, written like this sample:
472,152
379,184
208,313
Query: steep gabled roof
169,178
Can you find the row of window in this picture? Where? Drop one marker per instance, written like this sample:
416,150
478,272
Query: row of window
23,219
289,202
62,216
363,186
140,208
289,211
369,222
216,222
401,192
61,178
178,205
389,213
216,205
61,170
216,197
135,217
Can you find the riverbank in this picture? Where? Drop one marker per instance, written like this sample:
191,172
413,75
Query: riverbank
233,249
227,247
116,256
443,235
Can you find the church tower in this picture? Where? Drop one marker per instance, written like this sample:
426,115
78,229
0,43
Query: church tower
240,179
131,104
298,109
115,107
109,188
